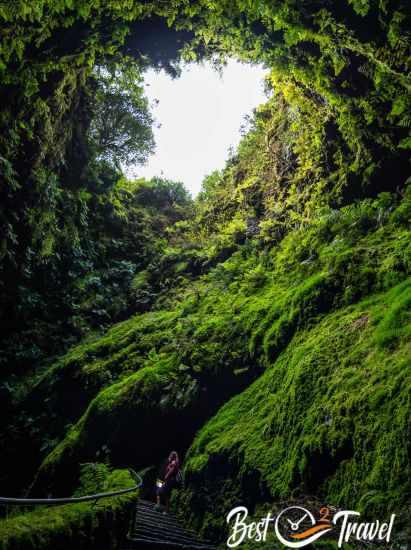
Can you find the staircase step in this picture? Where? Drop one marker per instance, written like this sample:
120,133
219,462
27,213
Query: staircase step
166,537
145,543
153,529
160,533
174,529
151,507
161,522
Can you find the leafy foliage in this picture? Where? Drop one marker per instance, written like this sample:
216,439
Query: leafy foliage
78,291
120,130
243,318
290,272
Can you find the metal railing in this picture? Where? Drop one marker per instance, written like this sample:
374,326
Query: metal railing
68,500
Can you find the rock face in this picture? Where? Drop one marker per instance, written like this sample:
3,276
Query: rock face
272,342
140,418
331,417
298,385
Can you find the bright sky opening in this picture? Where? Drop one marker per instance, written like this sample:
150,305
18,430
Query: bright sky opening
200,116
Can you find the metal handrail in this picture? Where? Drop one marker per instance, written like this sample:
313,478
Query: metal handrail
68,500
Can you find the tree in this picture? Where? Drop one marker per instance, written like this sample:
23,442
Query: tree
121,125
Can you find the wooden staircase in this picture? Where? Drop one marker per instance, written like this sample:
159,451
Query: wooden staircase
151,528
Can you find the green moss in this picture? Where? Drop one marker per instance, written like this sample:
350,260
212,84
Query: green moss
330,417
83,525
272,283
396,322
322,335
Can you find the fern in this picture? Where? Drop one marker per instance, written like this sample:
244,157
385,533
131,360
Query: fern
405,121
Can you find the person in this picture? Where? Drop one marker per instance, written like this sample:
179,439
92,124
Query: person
167,480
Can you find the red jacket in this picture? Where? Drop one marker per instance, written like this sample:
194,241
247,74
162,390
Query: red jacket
171,470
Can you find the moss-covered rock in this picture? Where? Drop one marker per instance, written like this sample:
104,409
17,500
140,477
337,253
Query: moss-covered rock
264,284
82,525
330,417
139,419
173,370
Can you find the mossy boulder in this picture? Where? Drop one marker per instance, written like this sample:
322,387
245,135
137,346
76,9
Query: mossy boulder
330,417
138,420
303,323
82,525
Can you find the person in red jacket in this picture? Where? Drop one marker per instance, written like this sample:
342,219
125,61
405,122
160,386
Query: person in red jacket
167,480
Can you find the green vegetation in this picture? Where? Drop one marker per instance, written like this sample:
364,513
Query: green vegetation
330,417
264,328
187,354
83,524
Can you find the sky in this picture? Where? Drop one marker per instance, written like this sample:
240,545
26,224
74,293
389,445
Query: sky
200,115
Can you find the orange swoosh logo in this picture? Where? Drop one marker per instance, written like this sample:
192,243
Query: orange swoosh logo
312,530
